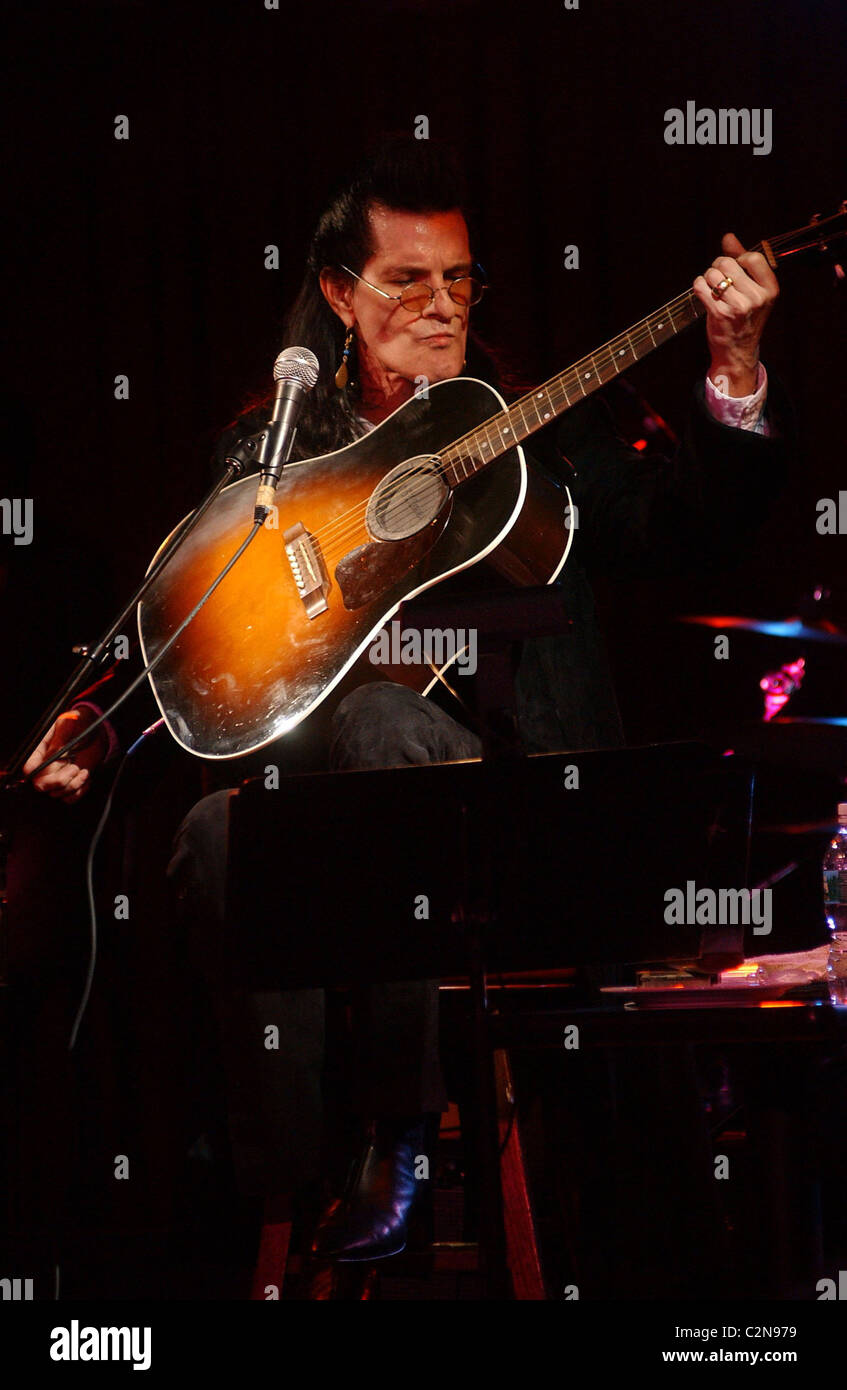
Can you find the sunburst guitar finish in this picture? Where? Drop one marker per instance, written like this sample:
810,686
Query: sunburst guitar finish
353,534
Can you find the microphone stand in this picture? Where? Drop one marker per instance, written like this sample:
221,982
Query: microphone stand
236,461
235,464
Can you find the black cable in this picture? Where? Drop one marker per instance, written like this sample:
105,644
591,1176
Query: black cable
85,736
89,878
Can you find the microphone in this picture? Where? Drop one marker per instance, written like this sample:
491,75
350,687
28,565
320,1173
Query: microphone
295,372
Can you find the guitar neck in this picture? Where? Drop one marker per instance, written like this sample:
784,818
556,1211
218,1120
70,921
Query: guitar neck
479,448
532,412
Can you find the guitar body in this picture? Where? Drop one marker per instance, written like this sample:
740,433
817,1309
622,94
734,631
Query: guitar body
343,549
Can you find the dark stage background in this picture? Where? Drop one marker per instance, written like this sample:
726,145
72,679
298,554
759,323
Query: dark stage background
145,257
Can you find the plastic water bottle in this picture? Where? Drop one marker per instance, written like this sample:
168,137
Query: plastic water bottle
835,905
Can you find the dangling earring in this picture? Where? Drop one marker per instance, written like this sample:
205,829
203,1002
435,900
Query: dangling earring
342,375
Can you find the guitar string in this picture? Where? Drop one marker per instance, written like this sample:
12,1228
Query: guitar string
688,296
452,453
562,384
341,531
557,392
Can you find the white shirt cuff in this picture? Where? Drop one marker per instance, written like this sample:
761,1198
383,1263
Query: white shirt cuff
741,412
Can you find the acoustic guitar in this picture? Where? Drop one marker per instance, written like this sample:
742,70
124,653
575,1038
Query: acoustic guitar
440,485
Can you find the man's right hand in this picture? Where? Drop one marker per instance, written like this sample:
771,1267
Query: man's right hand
68,779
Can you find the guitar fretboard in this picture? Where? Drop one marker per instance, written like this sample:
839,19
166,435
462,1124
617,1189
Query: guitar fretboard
474,451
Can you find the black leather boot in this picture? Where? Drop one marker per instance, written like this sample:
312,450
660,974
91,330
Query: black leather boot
389,1184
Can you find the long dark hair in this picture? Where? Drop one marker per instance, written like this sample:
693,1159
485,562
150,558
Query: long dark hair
403,174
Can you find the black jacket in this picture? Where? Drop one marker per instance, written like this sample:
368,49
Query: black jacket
637,517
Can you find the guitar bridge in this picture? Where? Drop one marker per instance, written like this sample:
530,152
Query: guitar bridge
308,568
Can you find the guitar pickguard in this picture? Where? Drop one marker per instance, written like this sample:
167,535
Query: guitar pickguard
371,570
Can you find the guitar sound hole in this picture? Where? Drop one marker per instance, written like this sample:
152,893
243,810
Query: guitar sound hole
407,500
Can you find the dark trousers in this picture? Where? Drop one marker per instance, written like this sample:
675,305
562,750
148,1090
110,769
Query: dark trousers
272,1043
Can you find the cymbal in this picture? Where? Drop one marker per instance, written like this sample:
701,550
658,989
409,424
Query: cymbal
785,627
838,721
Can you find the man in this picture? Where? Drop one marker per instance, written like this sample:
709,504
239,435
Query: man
400,224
